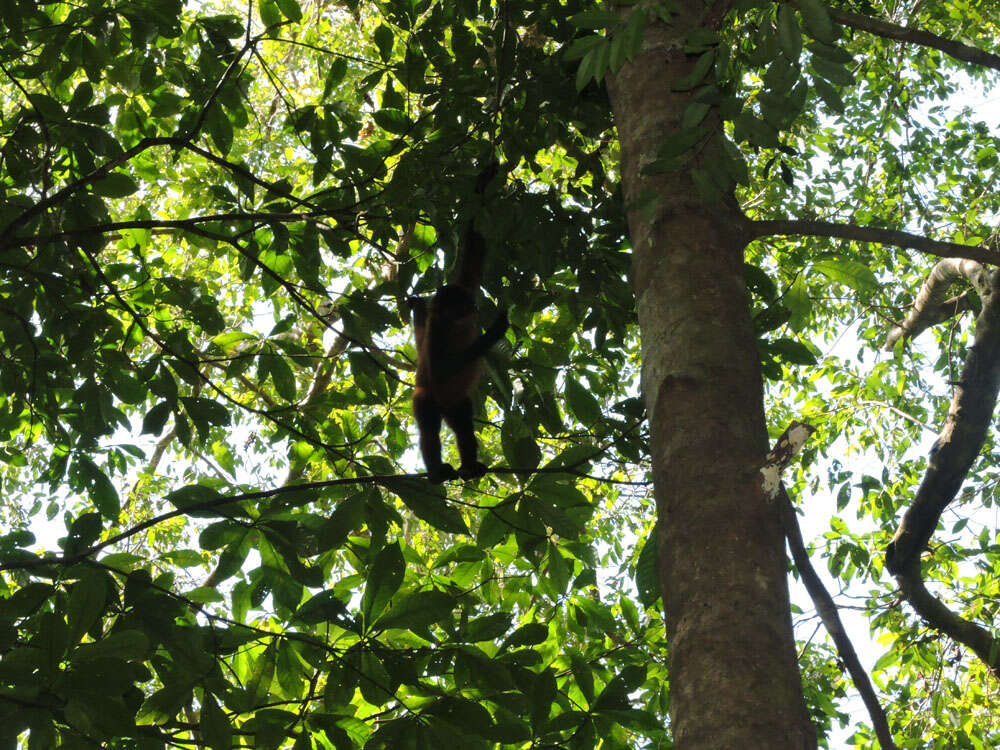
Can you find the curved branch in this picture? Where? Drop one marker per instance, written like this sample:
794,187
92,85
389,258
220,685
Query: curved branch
878,27
956,449
961,439
938,616
931,306
787,227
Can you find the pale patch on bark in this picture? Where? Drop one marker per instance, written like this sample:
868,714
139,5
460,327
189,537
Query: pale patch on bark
778,458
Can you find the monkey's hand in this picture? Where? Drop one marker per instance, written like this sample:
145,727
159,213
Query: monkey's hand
499,327
418,308
466,471
442,473
486,175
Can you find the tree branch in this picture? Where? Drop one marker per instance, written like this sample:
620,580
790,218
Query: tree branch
189,224
789,227
785,447
956,449
102,171
931,307
939,617
827,610
960,440
878,27
200,507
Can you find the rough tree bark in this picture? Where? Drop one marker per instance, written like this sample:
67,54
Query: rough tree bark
734,678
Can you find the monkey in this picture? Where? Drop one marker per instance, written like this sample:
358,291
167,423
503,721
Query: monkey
449,349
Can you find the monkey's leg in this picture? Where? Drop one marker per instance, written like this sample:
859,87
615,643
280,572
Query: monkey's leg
459,419
428,418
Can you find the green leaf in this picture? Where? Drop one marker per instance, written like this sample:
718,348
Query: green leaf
578,48
269,13
220,129
193,494
530,634
125,644
115,185
384,579
852,273
647,575
790,350
829,95
205,412
428,503
204,595
595,19
418,610
258,687
833,72
616,693
384,41
582,403
789,35
588,66
334,75
290,9
283,378
346,517
633,33
326,606
694,114
747,127
393,120
87,600
215,726
796,298
831,52
103,492
492,530
700,71
817,21
486,628
558,570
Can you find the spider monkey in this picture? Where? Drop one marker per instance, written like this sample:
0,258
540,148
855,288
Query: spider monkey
449,349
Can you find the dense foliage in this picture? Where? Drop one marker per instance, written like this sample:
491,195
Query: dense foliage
214,530
211,220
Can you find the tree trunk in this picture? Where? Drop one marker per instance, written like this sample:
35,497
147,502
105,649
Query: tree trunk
734,677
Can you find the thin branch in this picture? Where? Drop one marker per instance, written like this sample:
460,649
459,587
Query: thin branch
826,607
201,507
327,51
878,27
778,458
102,171
247,46
791,227
188,224
895,410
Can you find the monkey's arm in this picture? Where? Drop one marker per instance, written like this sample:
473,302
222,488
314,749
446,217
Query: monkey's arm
485,341
418,305
469,268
